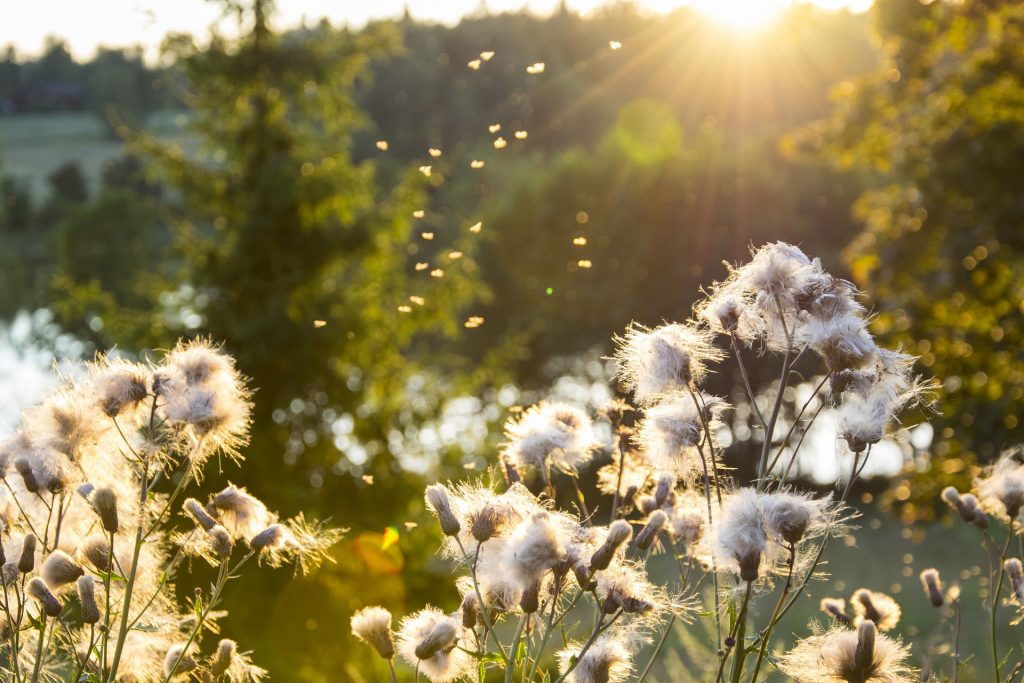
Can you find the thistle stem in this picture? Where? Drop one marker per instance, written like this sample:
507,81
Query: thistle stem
995,600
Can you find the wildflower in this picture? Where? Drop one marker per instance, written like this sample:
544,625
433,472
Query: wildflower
241,513
87,598
273,537
178,661
865,414
194,509
534,547
428,640
740,539
202,390
1002,489
624,586
220,542
104,501
1015,572
550,434
667,359
66,423
878,608
470,610
672,429
232,665
28,477
118,384
28,554
789,515
860,656
618,533
607,660
96,550
59,569
655,523
437,500
836,608
688,517
40,592
373,625
933,585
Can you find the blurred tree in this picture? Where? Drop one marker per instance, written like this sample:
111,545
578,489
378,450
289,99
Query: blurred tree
122,89
941,127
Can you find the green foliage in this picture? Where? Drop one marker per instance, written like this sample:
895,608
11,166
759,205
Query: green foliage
940,127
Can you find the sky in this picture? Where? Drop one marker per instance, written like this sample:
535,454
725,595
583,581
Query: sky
118,23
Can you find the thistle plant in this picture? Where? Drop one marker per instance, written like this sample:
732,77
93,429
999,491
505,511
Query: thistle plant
565,593
96,523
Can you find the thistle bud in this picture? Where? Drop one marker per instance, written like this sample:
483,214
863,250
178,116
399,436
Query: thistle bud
223,657
271,537
178,661
933,586
87,597
48,602
972,511
373,625
582,575
194,509
618,533
96,550
864,654
104,501
484,523
629,495
529,601
647,535
24,468
59,569
1015,571
836,608
437,500
441,637
666,482
220,541
750,565
647,504
511,473
28,554
470,610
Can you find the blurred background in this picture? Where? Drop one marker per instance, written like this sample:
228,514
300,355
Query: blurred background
407,220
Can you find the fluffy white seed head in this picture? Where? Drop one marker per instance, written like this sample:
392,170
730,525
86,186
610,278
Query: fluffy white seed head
373,625
667,359
840,654
740,540
434,634
550,434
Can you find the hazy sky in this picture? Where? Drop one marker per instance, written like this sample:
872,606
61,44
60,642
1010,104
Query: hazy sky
85,24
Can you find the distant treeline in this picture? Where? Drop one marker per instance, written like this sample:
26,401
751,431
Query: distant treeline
116,83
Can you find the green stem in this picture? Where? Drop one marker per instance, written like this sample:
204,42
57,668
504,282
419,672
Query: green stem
480,598
37,667
740,634
995,600
510,666
223,575
767,633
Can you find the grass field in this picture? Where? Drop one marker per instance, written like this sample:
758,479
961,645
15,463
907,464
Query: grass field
32,146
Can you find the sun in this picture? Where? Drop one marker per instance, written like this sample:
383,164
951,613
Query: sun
741,15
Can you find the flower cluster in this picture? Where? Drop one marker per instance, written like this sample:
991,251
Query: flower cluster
534,572
89,534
